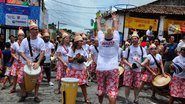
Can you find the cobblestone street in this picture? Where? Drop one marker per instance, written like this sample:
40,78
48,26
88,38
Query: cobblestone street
47,95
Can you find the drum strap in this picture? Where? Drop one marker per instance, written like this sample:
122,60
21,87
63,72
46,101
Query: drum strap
28,38
156,62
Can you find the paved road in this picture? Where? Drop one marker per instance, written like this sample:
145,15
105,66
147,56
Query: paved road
47,95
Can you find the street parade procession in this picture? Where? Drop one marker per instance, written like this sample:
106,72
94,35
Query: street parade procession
132,55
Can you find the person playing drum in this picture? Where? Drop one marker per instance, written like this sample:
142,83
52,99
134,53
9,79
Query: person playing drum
153,68
133,73
177,84
77,56
107,62
17,58
38,49
62,63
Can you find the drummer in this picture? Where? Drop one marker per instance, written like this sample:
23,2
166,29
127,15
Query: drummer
107,62
177,84
37,45
153,68
132,75
49,51
77,56
62,57
17,58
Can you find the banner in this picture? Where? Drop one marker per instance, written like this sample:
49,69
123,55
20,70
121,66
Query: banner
16,20
17,10
141,23
168,22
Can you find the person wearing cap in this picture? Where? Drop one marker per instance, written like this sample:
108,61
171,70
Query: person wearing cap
177,84
152,67
107,62
17,59
49,51
77,56
38,49
132,74
62,62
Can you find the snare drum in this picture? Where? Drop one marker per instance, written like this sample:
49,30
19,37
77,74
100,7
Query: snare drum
30,77
69,90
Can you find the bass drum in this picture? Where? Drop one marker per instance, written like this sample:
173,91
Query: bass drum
30,77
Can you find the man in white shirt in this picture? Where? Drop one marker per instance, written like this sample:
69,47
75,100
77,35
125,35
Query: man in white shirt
132,74
38,49
149,34
49,51
107,63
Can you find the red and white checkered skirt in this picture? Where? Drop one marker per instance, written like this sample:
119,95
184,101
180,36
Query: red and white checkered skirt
21,75
132,78
79,74
15,68
61,72
108,80
147,76
177,87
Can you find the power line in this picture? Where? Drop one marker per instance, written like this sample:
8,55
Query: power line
72,11
80,6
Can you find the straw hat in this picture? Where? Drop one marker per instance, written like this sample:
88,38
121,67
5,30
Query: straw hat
152,46
109,34
84,36
46,34
20,31
135,34
127,43
77,34
78,38
32,25
160,80
64,35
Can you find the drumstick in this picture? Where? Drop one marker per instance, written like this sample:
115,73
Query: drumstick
148,68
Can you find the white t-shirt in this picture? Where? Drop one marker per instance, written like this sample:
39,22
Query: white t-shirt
152,63
63,52
149,33
108,52
180,60
86,47
15,46
135,54
120,54
94,52
72,54
37,46
48,47
180,45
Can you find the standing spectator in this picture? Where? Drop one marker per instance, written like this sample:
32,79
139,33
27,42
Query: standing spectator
11,39
169,53
180,44
149,34
7,63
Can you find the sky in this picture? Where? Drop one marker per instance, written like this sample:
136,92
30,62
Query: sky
77,14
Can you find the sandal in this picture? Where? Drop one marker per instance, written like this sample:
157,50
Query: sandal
136,101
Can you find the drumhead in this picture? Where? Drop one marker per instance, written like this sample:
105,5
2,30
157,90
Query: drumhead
30,71
70,80
160,80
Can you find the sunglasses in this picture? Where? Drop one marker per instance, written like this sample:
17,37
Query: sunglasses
153,48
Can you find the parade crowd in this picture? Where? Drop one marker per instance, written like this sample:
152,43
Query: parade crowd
102,59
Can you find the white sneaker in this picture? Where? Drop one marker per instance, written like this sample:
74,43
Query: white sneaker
51,84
